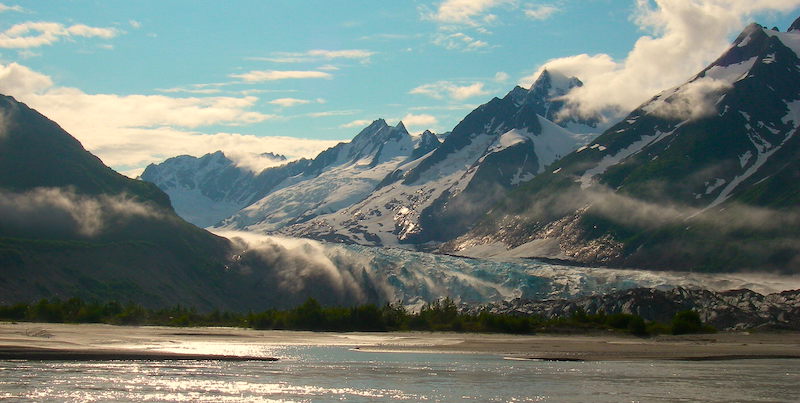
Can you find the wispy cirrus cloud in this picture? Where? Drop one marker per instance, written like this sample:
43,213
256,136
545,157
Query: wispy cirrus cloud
17,8
36,34
325,114
541,11
256,76
290,102
316,55
448,89
356,124
458,41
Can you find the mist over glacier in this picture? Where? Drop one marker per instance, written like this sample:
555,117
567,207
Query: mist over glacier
296,268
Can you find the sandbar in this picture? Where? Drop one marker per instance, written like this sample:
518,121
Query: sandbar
47,341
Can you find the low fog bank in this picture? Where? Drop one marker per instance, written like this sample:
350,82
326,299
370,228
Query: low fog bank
64,213
289,270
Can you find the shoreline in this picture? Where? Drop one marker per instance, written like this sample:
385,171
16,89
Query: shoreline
97,342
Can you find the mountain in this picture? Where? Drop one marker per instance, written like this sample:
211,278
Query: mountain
71,226
498,146
208,189
543,98
336,178
703,177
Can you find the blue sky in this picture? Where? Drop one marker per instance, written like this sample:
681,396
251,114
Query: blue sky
139,81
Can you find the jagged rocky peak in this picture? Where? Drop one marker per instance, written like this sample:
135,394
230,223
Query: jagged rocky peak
427,142
795,25
428,137
400,126
273,156
554,83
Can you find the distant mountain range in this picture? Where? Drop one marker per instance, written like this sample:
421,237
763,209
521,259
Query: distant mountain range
702,176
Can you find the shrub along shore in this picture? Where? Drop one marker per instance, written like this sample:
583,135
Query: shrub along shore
442,315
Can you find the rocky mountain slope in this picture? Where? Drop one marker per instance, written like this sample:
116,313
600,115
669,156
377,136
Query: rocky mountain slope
71,226
497,147
336,178
207,189
703,176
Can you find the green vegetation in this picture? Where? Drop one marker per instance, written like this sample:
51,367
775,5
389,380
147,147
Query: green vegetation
442,315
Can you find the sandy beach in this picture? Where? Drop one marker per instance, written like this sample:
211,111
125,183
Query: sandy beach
105,342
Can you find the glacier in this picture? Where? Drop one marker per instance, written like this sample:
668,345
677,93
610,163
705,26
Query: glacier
415,278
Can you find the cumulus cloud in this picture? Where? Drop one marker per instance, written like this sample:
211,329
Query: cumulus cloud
540,12
458,41
501,77
62,212
448,89
274,75
683,37
418,123
465,12
36,34
128,132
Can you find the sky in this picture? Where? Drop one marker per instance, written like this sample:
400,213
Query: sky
141,81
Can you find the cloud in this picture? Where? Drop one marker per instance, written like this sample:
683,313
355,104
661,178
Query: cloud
419,122
692,101
135,24
333,113
289,102
128,132
356,123
501,77
36,34
4,8
465,12
540,12
191,90
273,75
442,89
315,55
458,41
683,37
62,212
300,268
254,162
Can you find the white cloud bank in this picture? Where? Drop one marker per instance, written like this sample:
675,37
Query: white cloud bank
36,34
684,36
128,132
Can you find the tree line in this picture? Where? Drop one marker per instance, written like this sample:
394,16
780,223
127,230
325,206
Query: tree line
441,315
